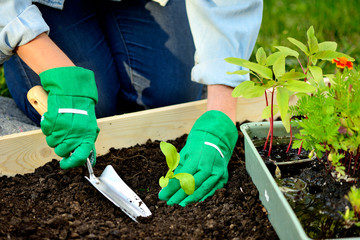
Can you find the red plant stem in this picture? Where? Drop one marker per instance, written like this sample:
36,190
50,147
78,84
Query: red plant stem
288,148
344,160
349,166
267,138
271,122
356,160
301,66
299,151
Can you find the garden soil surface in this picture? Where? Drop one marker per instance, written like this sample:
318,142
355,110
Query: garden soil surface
61,204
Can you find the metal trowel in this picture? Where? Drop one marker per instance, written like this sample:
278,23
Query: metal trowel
109,183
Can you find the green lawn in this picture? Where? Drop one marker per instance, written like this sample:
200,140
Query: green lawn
333,20
3,88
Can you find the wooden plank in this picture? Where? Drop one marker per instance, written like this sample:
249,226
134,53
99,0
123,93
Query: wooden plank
24,152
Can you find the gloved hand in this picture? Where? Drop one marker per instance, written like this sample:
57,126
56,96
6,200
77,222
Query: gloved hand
206,155
70,123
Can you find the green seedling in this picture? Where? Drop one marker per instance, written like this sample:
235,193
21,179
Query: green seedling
352,217
187,181
271,73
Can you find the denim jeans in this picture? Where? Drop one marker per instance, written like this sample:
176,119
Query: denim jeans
141,54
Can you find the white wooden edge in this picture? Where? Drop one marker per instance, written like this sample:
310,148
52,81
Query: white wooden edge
24,152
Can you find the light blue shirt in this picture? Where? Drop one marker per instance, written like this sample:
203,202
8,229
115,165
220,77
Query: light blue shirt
220,28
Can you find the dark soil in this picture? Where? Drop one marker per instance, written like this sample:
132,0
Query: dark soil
55,204
320,203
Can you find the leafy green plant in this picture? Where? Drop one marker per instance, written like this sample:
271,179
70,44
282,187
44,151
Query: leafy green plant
270,75
352,217
330,126
187,181
4,91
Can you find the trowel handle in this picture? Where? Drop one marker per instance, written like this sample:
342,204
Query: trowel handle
37,97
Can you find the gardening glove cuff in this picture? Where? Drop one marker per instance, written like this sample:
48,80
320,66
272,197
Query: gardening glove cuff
70,122
70,81
220,126
206,155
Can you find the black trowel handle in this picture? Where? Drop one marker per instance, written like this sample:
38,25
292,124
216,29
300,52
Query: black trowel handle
37,97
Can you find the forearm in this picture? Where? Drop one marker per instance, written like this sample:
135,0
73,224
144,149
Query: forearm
42,54
220,98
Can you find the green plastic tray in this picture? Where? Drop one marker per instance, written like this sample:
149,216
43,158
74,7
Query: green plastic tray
280,213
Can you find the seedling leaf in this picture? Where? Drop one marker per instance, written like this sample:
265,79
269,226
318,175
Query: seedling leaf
299,86
171,155
187,182
240,72
300,45
282,98
327,45
261,56
330,55
163,182
287,51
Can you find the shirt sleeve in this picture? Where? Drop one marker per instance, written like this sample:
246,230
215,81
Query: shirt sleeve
221,29
20,22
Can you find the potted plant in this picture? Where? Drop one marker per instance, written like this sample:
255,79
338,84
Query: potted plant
325,121
270,74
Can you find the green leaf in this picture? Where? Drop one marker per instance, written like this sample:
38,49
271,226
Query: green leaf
327,45
300,95
267,111
293,75
171,155
187,182
240,72
279,67
241,88
263,71
261,56
330,55
236,61
288,51
163,182
282,98
299,86
259,69
300,45
248,89
271,59
317,73
312,40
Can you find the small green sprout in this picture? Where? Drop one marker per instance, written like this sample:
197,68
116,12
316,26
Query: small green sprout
187,181
352,217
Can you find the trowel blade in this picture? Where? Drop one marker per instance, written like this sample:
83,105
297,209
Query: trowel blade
115,189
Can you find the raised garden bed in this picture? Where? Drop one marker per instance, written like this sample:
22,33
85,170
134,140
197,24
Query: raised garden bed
39,200
53,203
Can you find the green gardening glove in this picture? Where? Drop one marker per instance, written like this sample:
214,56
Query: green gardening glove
70,123
205,155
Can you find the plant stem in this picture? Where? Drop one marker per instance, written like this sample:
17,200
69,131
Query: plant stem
271,121
349,159
288,148
267,138
356,160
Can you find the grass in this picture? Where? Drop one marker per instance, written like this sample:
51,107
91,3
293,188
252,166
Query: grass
333,20
4,91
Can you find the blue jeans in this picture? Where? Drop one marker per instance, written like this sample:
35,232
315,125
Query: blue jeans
141,54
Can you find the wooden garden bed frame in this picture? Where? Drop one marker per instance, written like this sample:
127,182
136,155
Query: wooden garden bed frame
24,152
